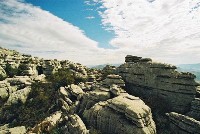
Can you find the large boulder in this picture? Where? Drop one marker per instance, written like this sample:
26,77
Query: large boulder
195,109
89,99
113,79
3,74
18,96
181,124
123,114
48,123
75,125
159,82
15,130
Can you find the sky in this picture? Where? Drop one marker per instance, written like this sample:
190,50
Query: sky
94,32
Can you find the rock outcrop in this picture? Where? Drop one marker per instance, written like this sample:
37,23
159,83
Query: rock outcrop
181,124
15,130
3,74
123,114
113,79
47,124
75,125
149,79
195,109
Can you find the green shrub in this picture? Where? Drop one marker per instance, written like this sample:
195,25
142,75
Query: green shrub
10,70
40,104
63,77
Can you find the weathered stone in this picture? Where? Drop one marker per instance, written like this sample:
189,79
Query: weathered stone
195,109
19,95
75,125
181,124
48,123
150,79
4,90
15,130
122,114
91,98
64,92
3,74
75,90
20,81
113,79
116,90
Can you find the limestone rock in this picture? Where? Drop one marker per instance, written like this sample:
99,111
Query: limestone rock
149,79
2,73
75,90
116,90
91,98
181,124
19,95
75,125
113,79
195,109
20,81
48,123
16,130
4,90
123,114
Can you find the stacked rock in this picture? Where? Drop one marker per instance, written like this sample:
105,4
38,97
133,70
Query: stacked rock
113,79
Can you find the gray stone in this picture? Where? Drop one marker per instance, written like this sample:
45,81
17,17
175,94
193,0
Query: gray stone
181,124
48,123
122,114
150,79
19,95
75,125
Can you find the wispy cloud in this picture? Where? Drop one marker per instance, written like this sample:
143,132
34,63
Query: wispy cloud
90,17
32,30
166,30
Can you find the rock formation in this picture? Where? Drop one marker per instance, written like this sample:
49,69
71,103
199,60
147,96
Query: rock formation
181,124
95,100
150,79
107,116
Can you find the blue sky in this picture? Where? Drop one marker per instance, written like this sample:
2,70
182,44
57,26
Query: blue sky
95,32
80,13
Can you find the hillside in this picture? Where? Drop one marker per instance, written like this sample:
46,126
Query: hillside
62,97
193,68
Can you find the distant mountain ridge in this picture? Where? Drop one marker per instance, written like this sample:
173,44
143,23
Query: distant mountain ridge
103,65
193,68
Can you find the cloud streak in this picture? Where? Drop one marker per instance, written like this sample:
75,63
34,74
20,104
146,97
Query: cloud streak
155,28
167,31
30,29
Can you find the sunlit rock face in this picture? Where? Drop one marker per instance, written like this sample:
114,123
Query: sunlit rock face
123,114
149,79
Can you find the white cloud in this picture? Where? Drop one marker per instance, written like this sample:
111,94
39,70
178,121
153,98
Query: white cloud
166,30
32,30
90,17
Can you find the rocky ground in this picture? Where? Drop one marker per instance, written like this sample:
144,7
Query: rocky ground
62,97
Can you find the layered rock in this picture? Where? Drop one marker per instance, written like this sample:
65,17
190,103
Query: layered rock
91,98
4,90
50,66
48,123
181,124
113,79
122,114
18,96
195,109
15,130
3,74
75,125
156,80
